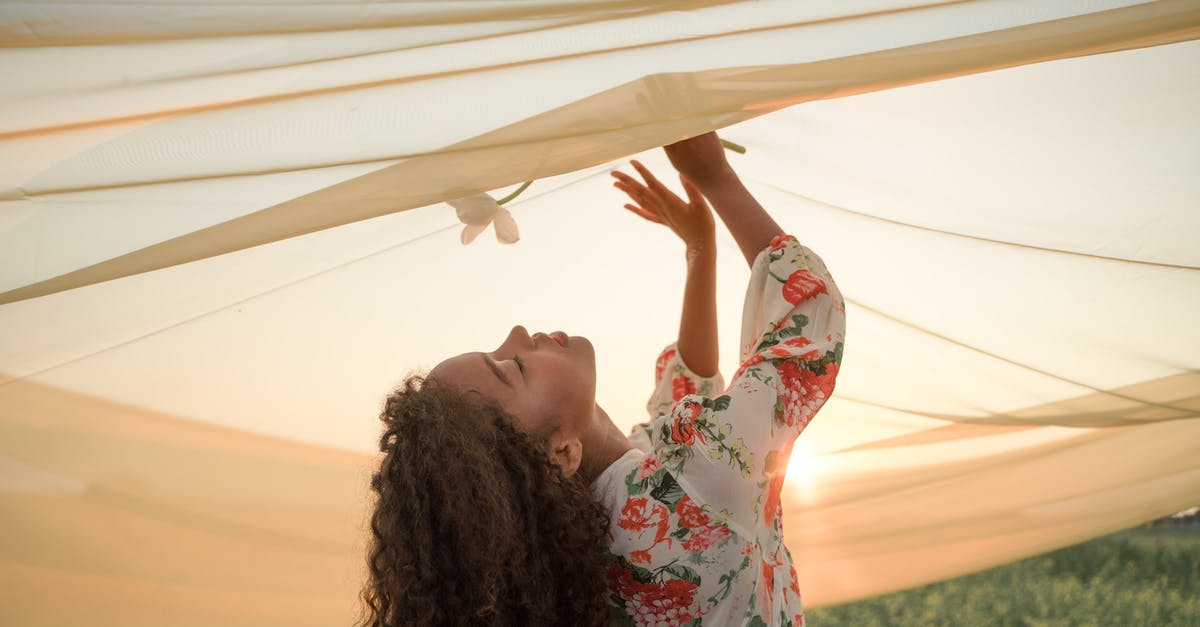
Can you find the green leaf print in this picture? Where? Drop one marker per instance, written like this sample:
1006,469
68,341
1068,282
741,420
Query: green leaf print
681,533
727,580
641,574
757,621
721,403
767,342
636,487
683,572
676,456
668,491
777,334
789,332
735,455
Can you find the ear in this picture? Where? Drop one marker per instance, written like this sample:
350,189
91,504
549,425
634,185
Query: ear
567,454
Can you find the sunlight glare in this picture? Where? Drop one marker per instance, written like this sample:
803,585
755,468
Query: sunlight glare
803,471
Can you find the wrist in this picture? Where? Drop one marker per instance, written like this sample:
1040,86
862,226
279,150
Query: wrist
720,178
701,247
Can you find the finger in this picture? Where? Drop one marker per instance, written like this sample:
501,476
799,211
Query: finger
651,181
630,183
620,175
639,194
695,197
645,214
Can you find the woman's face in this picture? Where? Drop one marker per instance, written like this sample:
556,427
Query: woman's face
551,387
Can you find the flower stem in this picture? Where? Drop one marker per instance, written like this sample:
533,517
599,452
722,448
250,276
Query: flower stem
738,148
514,194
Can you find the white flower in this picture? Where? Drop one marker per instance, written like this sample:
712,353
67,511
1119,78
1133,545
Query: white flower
478,211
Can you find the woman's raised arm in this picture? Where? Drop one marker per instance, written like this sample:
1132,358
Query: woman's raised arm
692,221
702,160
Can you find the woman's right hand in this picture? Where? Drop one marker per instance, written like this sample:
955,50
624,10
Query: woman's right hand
701,158
692,221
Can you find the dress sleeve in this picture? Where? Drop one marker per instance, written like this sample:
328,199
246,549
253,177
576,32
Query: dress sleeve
673,380
732,445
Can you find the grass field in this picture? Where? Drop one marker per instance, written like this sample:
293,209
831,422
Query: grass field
1143,576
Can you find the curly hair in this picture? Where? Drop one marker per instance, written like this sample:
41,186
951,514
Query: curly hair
473,523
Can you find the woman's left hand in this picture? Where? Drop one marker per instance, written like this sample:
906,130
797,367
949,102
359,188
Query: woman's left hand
692,221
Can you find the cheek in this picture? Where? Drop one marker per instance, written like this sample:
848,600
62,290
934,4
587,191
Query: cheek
575,389
562,390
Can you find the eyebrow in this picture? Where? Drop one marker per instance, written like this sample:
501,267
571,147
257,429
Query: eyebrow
491,364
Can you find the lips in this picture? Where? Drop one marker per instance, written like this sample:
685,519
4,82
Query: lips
560,337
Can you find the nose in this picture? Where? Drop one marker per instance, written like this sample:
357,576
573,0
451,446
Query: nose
519,336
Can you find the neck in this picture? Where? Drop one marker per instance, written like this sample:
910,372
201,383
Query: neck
603,444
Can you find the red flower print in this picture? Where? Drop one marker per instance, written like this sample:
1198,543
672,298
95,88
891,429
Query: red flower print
766,589
640,514
803,391
633,514
690,514
681,386
794,587
802,285
826,381
703,539
650,465
772,506
684,429
801,342
669,603
791,374
797,342
621,581
779,241
661,363
639,557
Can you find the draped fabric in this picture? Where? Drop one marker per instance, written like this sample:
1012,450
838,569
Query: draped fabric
223,239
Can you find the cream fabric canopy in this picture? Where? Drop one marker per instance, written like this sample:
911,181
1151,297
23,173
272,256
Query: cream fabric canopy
222,239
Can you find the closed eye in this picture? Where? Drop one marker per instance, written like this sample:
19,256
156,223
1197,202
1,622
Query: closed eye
520,364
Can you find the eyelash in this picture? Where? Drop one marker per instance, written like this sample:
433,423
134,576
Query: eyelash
520,364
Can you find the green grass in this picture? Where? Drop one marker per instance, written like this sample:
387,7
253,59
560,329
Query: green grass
1142,576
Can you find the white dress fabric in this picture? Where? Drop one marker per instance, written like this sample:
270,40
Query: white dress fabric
697,529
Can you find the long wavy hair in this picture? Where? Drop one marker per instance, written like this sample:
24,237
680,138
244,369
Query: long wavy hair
473,524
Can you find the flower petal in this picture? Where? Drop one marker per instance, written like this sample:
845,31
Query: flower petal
477,209
506,227
470,232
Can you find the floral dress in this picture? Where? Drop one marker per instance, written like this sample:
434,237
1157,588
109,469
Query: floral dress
697,533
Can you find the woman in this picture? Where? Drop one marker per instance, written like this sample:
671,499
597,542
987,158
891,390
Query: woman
508,496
